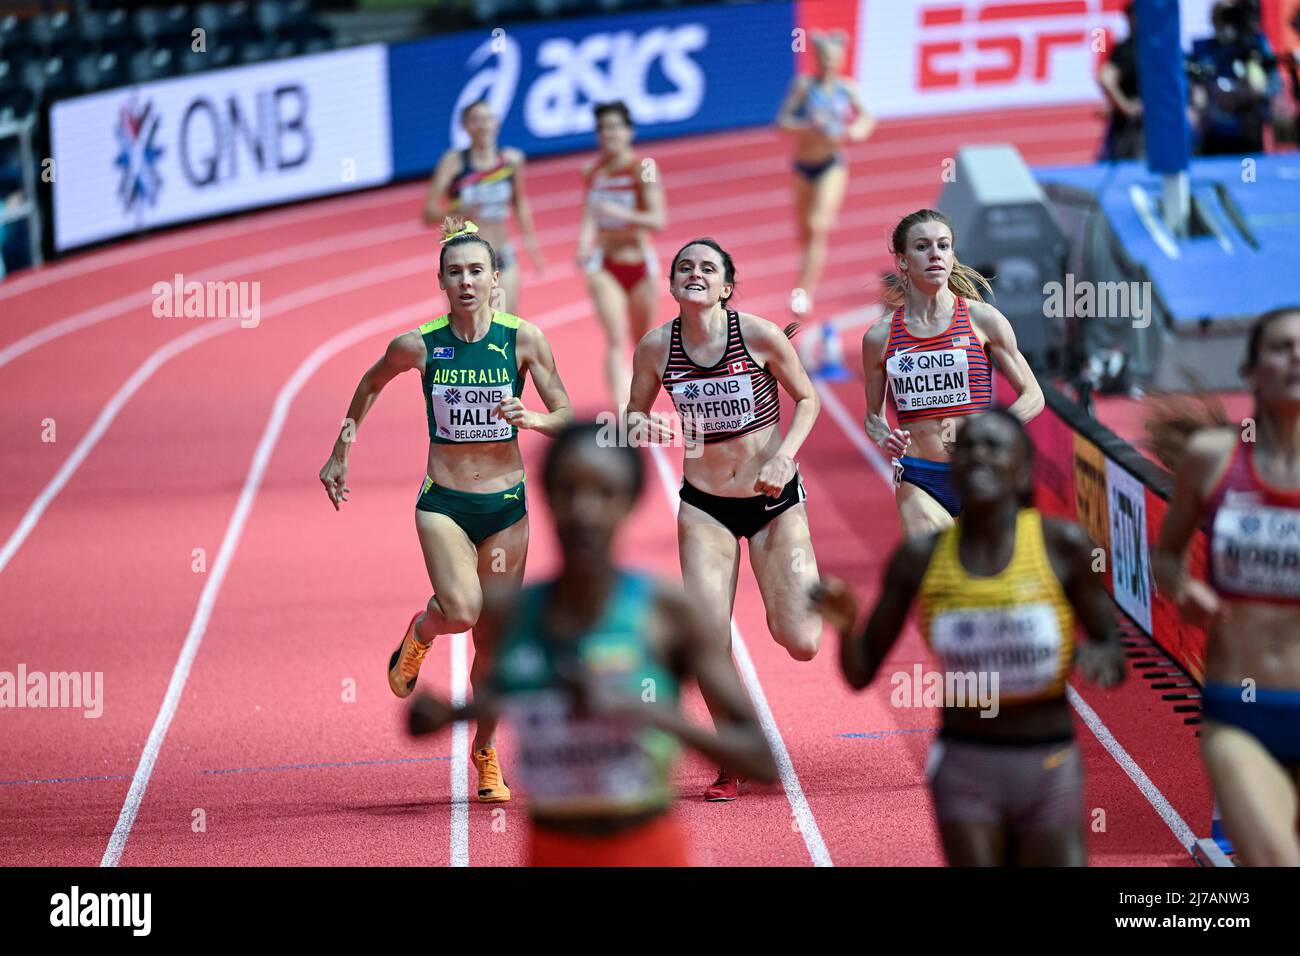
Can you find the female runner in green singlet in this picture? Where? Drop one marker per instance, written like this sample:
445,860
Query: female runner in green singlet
471,511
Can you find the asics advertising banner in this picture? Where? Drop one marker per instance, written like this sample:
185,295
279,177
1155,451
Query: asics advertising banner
143,156
683,71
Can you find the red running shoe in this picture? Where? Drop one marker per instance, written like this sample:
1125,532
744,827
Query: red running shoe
724,789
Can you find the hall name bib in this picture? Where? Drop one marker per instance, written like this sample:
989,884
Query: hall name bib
464,412
920,380
1257,550
570,760
1022,643
708,406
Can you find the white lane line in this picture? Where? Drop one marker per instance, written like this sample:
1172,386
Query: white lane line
211,589
222,271
856,435
400,194
776,200
99,427
812,836
1182,832
1145,785
459,754
229,543
145,371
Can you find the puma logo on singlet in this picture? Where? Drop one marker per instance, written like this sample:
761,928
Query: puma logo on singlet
515,495
498,348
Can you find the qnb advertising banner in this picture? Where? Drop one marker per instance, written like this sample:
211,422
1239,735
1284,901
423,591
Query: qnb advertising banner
144,156
679,72
919,57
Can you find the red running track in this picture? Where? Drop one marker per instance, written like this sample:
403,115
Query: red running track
173,435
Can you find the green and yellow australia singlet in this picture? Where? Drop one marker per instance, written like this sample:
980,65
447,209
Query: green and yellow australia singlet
587,766
1017,623
465,381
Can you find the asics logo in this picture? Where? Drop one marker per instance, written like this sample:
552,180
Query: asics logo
497,348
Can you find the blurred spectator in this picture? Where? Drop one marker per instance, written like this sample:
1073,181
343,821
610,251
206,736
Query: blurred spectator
1119,81
1234,78
1292,60
14,253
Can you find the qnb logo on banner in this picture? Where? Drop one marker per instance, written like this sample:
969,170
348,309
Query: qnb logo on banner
137,156
570,75
217,142
221,138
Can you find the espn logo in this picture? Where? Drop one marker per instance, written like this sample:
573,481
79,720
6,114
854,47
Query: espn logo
967,45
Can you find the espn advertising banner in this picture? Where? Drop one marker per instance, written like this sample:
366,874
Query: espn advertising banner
927,57
679,71
143,156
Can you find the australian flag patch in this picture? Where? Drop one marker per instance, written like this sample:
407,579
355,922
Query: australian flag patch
444,352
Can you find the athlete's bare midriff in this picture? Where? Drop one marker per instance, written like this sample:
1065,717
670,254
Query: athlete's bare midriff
1258,641
928,436
730,468
812,146
623,245
478,467
1028,721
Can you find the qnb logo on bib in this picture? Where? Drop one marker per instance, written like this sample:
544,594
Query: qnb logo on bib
1022,643
709,406
616,66
1257,550
467,413
939,379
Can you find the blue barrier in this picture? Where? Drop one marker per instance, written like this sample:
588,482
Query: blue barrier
679,72
1206,277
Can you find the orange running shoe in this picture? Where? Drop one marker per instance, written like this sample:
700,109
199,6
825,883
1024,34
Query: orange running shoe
404,665
491,786
724,789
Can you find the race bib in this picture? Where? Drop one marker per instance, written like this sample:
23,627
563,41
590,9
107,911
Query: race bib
925,380
1021,643
464,412
489,199
712,406
1257,550
623,198
564,759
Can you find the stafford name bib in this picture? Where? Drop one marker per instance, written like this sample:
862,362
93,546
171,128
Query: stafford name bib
1021,643
1257,549
707,406
925,380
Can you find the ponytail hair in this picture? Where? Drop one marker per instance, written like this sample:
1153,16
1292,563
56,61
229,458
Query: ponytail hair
964,281
1174,418
459,231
